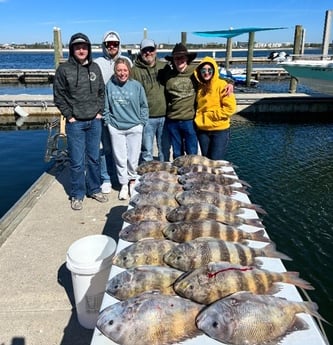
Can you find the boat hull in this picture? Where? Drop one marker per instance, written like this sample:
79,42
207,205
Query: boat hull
316,74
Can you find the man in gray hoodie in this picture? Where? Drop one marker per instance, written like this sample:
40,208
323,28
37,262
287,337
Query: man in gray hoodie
79,91
111,48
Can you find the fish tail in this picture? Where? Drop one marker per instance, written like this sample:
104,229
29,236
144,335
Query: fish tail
293,278
258,236
244,183
270,251
252,221
258,209
312,309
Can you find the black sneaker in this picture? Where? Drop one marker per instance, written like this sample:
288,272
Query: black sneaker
76,204
100,197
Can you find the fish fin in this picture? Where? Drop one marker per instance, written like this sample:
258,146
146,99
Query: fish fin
258,209
293,278
259,236
244,183
270,251
252,221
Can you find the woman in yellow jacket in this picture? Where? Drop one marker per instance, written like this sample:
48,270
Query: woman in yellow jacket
213,111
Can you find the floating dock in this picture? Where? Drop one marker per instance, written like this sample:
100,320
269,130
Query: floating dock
252,106
46,76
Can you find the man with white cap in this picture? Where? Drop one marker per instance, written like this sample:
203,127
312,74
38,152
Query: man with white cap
148,70
111,48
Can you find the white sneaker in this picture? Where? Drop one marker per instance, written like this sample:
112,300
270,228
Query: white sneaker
123,194
106,188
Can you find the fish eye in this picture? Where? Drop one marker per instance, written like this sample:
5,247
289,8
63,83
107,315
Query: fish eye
110,323
215,324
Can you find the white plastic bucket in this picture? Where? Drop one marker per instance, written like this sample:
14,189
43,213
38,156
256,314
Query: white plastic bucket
90,259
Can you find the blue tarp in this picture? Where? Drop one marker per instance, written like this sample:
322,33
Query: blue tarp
231,32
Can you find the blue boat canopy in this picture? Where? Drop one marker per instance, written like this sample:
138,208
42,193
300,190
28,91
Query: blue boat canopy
232,32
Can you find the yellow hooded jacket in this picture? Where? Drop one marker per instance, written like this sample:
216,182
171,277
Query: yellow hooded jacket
214,108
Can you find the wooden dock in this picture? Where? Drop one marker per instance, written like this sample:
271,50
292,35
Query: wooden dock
275,107
46,76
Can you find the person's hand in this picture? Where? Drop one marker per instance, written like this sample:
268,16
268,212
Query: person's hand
229,89
99,116
72,119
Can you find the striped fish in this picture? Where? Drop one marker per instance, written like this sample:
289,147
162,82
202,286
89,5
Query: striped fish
155,197
156,166
188,160
196,168
217,280
203,176
200,251
205,211
146,212
145,229
150,319
189,230
136,280
223,202
144,252
159,175
247,318
214,187
158,185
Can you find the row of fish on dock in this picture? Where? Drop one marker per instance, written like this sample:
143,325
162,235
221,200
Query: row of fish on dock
190,267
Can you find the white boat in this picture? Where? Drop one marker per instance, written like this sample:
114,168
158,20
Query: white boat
237,75
316,73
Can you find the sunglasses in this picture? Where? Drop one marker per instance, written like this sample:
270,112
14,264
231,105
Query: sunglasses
148,50
112,44
206,70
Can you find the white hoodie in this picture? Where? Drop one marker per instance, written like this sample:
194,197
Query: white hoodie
105,62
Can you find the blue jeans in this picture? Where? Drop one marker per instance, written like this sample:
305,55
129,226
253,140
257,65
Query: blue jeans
83,141
213,144
183,137
108,169
155,127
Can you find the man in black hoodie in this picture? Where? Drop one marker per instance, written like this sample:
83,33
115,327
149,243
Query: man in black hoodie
79,94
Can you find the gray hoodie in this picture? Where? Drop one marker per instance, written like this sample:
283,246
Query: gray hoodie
78,89
105,62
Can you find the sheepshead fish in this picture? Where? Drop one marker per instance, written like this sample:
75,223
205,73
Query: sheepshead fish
154,197
159,175
145,229
214,187
223,202
158,185
144,252
202,250
150,319
187,160
197,168
246,318
217,280
209,177
189,230
156,166
137,280
146,212
205,211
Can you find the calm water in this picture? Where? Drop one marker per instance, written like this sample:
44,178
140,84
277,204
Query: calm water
288,165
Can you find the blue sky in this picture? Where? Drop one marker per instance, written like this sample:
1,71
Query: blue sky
29,21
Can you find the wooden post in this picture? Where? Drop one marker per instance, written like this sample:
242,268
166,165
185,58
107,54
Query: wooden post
326,34
183,38
58,56
228,53
299,34
249,59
